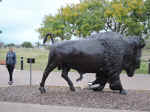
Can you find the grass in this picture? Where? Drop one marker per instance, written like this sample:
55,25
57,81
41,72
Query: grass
41,57
143,68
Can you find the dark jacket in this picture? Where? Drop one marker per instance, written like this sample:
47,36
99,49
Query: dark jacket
11,58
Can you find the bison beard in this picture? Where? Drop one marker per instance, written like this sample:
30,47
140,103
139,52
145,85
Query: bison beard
106,55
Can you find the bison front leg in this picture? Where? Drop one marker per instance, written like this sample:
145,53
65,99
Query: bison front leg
101,79
98,79
80,78
115,84
65,76
48,69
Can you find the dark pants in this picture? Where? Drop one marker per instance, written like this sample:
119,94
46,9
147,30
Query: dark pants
10,70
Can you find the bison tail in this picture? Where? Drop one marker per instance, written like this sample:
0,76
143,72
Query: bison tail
45,38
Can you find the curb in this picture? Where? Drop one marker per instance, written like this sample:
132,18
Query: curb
47,86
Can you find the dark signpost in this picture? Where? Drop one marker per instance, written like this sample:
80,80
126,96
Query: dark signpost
30,61
21,61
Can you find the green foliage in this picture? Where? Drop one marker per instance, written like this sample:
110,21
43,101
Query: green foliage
147,16
10,45
55,25
27,45
37,44
143,68
85,17
125,16
128,17
80,20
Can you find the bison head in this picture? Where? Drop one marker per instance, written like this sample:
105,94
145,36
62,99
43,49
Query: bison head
133,55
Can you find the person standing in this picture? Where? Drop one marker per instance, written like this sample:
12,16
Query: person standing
10,64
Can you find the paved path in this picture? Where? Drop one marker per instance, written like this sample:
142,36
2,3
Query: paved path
20,107
138,82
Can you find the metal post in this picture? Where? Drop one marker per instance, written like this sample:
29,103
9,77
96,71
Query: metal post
21,68
30,61
30,74
148,66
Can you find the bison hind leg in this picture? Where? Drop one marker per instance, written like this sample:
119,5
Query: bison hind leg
65,76
48,69
123,92
42,90
80,78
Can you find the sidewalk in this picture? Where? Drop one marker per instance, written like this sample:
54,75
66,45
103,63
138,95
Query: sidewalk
20,107
138,82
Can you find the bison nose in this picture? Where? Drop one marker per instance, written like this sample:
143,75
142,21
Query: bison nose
130,75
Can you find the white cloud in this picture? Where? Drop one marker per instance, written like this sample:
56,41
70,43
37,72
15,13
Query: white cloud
20,18
27,35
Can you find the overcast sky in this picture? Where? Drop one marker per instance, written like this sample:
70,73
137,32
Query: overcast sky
20,18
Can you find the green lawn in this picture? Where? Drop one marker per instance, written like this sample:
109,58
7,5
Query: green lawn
41,57
143,68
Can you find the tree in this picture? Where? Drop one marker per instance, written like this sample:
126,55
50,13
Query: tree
1,44
27,44
125,16
85,17
55,25
10,45
128,17
147,17
38,44
79,20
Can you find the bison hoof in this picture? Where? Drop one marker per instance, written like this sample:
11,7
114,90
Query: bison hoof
97,87
123,92
72,88
42,90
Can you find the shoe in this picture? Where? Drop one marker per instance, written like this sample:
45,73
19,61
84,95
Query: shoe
10,82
